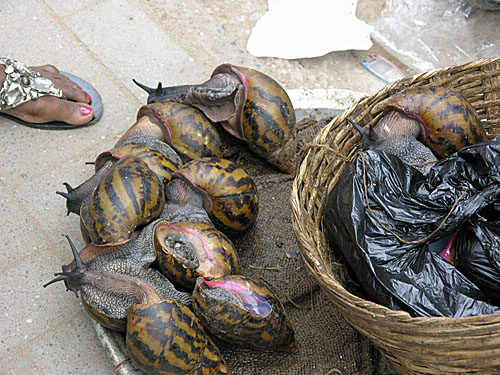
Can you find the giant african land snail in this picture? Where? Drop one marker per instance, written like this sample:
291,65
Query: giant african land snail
145,140
162,336
422,123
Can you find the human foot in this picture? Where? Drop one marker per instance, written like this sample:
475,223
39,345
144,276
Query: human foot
74,110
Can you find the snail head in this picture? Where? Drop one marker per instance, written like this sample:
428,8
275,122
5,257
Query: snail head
369,138
155,95
72,279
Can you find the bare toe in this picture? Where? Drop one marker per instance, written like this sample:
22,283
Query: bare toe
49,108
71,90
73,112
45,68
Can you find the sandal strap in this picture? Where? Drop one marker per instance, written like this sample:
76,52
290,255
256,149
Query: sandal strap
22,85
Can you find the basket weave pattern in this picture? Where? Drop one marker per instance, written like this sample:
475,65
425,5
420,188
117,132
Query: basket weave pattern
413,345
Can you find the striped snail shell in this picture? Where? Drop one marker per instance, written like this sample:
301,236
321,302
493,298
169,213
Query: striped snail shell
128,196
244,311
161,165
192,135
448,122
162,336
249,104
187,250
229,193
265,119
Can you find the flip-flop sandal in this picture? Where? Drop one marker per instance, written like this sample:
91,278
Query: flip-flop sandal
96,104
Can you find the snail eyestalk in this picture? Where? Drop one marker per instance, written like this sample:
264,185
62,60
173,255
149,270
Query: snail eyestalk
368,137
71,279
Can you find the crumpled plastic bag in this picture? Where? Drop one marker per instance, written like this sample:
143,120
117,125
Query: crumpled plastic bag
477,253
404,274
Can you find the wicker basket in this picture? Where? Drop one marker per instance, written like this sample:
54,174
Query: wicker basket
413,345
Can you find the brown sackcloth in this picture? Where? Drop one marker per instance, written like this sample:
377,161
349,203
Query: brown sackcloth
268,250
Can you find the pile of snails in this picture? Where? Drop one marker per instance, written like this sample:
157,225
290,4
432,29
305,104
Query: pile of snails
158,264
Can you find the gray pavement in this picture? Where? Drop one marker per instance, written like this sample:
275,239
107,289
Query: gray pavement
107,43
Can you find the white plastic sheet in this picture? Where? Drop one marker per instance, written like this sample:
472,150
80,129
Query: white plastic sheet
293,29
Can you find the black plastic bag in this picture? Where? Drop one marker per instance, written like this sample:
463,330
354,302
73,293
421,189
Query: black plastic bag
403,273
477,253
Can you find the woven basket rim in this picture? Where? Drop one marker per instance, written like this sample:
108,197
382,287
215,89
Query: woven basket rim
319,266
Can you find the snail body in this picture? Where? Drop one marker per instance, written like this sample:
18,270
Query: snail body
229,194
192,135
249,105
131,259
128,196
162,336
187,250
109,309
397,135
244,311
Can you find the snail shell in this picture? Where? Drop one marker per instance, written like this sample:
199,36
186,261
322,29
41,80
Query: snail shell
265,118
244,311
448,121
229,193
128,196
162,166
192,135
167,338
188,250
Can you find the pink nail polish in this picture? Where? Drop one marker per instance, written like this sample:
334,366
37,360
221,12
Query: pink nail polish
84,110
89,97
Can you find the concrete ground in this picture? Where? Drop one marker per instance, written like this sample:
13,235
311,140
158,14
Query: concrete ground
107,43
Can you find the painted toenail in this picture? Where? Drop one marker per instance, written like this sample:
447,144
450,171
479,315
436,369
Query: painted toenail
84,110
89,97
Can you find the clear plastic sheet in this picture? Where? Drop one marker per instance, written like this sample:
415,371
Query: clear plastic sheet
427,34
